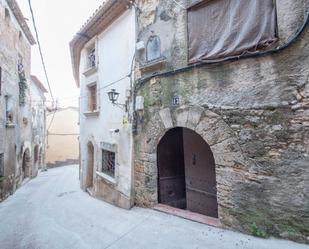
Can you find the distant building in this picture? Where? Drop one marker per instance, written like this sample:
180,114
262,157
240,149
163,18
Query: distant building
38,112
62,137
15,106
103,57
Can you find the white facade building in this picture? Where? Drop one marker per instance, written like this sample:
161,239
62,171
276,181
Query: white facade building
102,54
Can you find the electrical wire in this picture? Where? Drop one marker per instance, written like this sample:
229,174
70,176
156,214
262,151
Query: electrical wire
40,50
73,99
52,120
63,134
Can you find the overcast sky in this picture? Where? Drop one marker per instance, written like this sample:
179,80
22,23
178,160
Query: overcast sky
57,22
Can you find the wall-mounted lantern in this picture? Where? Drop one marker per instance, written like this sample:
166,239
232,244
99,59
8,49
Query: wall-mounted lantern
113,97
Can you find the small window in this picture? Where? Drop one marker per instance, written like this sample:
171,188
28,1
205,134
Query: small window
108,162
7,15
222,28
153,48
1,164
91,57
92,98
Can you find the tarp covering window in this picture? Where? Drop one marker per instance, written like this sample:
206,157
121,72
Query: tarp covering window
224,28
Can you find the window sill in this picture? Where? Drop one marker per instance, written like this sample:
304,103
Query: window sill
90,71
10,125
153,65
106,178
92,114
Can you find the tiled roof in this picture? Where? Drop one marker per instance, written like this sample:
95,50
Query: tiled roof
105,15
21,20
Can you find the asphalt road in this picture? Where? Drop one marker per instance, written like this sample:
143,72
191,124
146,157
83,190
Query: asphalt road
51,212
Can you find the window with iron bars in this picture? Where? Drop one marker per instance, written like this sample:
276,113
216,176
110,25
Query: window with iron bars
108,162
92,58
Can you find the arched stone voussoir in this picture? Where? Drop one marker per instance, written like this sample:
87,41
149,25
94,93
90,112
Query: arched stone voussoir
194,116
214,131
166,118
207,121
181,115
228,153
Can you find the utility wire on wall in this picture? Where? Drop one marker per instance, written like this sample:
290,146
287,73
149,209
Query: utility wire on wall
40,50
43,64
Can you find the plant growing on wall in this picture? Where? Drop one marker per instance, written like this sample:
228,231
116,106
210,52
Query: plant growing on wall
22,85
256,231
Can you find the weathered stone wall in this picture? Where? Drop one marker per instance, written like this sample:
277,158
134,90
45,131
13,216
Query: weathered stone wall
252,112
38,120
13,44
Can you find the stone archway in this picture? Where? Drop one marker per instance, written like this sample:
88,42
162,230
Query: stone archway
186,172
26,164
36,154
41,157
90,166
208,125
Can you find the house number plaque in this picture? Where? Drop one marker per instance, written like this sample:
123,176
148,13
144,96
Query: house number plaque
176,101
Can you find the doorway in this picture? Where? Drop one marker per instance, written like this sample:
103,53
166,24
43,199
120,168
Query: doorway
186,172
90,165
36,154
26,164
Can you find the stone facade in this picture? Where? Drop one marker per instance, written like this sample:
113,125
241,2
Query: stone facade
15,111
38,114
252,112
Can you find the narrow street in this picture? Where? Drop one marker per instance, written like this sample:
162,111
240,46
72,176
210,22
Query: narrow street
52,212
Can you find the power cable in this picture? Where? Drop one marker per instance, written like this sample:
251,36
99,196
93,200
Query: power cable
40,50
63,134
43,62
72,99
52,119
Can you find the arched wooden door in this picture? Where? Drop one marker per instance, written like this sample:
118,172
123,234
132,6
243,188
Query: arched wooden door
200,174
187,177
171,180
26,164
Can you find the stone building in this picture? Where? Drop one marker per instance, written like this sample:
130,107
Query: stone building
38,111
224,129
15,114
102,56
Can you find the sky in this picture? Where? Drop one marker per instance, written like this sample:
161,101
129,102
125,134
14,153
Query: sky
57,21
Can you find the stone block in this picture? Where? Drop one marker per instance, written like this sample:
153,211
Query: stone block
166,118
194,116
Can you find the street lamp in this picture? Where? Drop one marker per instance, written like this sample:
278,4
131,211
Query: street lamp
113,96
